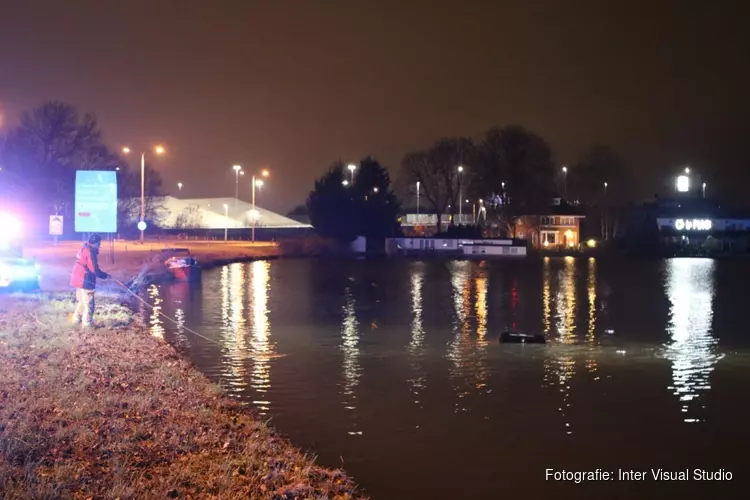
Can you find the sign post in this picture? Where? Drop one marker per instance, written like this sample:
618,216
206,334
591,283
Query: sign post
96,201
55,226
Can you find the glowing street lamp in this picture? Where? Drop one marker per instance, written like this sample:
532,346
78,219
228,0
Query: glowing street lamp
352,167
565,181
704,189
237,169
257,183
605,189
460,188
179,186
417,201
226,220
683,183
159,150
345,182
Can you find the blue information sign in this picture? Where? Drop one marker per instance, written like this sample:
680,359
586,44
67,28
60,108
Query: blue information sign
96,201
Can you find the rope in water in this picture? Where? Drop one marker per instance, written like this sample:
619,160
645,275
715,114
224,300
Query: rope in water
164,315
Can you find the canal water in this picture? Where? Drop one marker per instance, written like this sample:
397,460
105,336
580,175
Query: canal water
394,369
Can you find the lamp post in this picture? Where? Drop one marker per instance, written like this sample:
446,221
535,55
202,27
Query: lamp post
179,186
226,220
417,202
704,189
237,171
258,183
159,150
460,188
605,189
352,167
565,181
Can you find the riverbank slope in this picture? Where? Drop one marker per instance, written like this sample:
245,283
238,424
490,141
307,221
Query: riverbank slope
115,412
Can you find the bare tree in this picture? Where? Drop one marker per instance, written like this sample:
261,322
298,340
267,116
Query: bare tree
515,175
436,170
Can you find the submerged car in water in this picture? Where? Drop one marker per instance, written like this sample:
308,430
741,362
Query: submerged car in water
16,273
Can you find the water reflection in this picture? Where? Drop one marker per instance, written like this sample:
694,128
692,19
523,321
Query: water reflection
560,366
417,380
352,370
692,349
261,348
155,324
591,364
233,332
468,370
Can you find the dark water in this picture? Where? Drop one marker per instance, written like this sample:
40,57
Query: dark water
393,369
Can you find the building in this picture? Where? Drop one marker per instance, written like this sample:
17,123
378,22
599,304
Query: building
698,224
557,227
212,215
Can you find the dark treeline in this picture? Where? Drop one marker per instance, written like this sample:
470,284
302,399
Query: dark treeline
510,169
39,158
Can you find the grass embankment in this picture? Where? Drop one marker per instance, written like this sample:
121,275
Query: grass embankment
113,412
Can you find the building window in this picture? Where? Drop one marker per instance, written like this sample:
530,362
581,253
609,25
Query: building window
549,237
548,221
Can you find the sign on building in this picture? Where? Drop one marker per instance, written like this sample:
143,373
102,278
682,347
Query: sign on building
55,225
96,201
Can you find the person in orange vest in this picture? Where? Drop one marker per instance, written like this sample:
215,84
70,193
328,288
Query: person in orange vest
83,279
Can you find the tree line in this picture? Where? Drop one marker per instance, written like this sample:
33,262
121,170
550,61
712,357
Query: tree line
510,169
40,156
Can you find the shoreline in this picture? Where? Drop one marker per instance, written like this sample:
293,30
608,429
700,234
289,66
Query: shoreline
114,412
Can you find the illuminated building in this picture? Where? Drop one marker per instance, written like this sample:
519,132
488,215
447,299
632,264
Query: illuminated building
558,227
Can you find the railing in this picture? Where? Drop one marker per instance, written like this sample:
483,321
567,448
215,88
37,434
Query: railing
431,219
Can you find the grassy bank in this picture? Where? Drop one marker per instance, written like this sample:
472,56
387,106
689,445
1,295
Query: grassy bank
115,413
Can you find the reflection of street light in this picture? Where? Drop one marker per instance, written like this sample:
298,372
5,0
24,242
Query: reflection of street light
226,220
352,167
159,150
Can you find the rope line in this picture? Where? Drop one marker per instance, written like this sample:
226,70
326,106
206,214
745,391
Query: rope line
164,315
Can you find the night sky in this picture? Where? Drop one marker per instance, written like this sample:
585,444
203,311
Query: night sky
293,86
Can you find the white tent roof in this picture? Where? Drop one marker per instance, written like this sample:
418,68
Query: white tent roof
210,213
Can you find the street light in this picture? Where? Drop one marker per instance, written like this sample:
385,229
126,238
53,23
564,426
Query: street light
226,220
460,187
179,186
257,183
605,189
704,189
687,170
159,150
417,202
375,189
565,181
345,182
352,167
237,169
